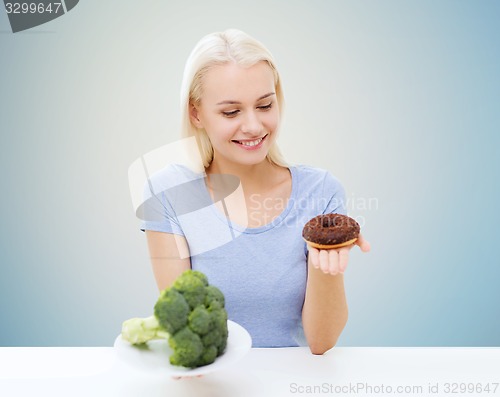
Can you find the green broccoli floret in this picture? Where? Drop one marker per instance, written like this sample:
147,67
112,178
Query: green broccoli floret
187,348
217,336
172,310
199,320
193,288
200,276
191,315
209,355
214,294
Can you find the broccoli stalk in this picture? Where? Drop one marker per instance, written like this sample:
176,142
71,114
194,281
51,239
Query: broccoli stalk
191,315
141,330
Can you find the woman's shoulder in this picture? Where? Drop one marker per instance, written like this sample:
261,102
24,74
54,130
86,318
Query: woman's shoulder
315,174
169,176
309,169
315,181
176,173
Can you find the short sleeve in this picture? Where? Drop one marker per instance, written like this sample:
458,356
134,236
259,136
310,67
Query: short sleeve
157,212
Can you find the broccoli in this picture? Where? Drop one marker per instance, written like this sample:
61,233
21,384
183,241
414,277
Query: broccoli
191,315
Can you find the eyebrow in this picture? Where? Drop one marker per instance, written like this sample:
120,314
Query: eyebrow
229,102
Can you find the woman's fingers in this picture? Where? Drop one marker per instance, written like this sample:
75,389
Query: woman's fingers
362,243
314,256
343,258
186,377
333,257
324,262
335,261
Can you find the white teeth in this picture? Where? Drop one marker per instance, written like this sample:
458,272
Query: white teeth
251,143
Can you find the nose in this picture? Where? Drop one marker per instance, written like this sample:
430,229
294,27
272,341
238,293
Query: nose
251,124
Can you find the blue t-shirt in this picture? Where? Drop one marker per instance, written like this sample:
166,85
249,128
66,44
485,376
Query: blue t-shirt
262,271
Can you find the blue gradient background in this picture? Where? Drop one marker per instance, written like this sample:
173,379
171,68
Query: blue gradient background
400,100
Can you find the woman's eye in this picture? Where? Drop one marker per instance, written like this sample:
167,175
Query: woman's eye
230,114
266,107
234,113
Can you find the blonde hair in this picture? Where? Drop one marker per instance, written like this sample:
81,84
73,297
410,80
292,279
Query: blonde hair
217,49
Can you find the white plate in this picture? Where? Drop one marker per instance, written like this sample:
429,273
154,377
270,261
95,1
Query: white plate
154,358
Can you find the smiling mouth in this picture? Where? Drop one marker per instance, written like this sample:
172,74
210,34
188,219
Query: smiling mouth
251,143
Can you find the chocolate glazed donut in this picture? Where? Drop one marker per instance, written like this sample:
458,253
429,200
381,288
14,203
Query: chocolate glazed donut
330,231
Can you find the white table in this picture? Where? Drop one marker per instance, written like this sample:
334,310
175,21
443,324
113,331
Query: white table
96,371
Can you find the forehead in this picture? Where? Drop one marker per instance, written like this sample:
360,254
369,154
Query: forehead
234,82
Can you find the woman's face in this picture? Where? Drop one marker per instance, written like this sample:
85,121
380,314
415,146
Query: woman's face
239,111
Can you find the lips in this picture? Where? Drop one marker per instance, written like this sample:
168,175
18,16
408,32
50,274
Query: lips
247,143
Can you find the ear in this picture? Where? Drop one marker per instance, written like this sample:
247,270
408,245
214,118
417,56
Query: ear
193,115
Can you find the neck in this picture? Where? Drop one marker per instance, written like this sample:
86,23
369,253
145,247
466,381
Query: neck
252,177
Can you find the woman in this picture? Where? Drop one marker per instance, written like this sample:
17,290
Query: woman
249,243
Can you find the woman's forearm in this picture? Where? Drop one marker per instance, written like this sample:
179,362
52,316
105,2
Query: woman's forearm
169,257
324,314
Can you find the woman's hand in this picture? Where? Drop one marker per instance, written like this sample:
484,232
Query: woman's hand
186,377
334,261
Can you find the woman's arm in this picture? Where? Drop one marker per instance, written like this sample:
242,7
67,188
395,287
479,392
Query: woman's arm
324,314
169,255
